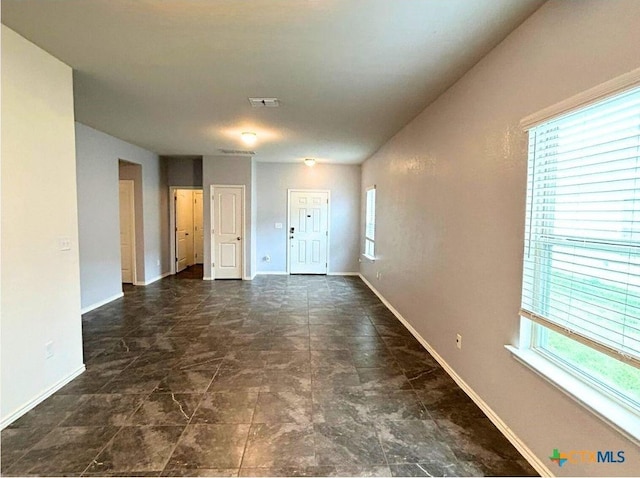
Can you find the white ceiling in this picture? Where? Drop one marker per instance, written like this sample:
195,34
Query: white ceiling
173,76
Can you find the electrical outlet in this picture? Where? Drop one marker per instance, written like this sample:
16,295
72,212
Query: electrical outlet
459,341
64,243
378,275
48,349
158,262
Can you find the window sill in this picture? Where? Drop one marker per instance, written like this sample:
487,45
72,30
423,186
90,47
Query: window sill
369,258
615,414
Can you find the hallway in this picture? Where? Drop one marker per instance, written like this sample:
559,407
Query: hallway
279,376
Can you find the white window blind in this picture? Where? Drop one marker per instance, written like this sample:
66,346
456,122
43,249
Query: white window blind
582,240
370,222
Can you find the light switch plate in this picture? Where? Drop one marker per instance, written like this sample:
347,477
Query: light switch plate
278,225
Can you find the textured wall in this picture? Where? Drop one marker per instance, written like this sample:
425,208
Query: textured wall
450,215
273,181
232,171
183,171
97,164
40,281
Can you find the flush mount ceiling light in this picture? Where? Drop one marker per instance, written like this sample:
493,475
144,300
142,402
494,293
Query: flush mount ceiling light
309,161
249,137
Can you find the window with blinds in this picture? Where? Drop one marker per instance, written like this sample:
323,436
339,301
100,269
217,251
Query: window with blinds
370,222
581,273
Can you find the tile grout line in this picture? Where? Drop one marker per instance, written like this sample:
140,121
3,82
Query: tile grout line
246,443
195,410
377,432
119,429
32,446
311,381
244,302
101,450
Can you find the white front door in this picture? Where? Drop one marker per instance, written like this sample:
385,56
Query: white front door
308,231
198,230
184,228
127,232
227,212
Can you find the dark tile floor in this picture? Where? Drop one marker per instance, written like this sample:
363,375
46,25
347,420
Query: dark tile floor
281,376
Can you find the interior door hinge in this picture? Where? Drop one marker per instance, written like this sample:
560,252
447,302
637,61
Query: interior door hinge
327,234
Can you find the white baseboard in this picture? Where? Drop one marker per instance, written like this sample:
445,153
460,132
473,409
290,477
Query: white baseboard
95,305
154,279
207,278
285,273
91,307
524,450
8,420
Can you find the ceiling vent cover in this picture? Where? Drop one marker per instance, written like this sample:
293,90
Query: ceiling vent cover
264,102
237,152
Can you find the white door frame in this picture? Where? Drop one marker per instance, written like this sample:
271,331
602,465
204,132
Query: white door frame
172,223
132,205
212,210
289,191
198,220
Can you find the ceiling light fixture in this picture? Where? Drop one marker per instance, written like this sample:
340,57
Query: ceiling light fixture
249,137
309,161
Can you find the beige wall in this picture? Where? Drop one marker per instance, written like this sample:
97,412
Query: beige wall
98,156
183,171
450,215
233,171
133,172
40,282
274,179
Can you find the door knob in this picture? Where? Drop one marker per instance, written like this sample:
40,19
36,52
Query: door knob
238,237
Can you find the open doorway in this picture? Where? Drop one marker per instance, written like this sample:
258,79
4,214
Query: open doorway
127,231
187,238
131,230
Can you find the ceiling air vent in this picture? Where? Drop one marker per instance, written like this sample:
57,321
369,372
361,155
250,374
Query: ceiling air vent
237,152
264,102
